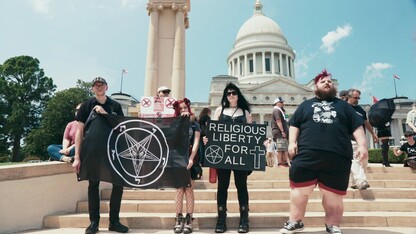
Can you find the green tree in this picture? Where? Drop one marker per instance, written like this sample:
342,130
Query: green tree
86,86
24,91
59,111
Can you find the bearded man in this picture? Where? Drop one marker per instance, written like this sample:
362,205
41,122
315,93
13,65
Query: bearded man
320,144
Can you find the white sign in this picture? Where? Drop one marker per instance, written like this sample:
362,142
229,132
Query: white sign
156,107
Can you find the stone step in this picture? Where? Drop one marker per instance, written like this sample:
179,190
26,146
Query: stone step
263,194
376,173
269,184
256,206
257,220
390,202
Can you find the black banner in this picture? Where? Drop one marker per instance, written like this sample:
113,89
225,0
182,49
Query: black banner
136,152
236,146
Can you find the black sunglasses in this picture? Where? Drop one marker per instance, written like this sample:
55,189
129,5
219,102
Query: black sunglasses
234,93
166,91
408,135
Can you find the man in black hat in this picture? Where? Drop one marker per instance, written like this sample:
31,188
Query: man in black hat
102,105
409,148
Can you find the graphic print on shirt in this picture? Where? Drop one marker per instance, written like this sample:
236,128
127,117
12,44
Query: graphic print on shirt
324,112
411,151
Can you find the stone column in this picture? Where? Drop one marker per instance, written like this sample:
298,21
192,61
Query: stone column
263,62
232,67
152,65
238,67
254,64
272,62
280,64
178,63
261,118
245,65
287,65
293,68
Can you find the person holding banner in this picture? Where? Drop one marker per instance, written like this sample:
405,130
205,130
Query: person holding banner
102,105
234,108
183,108
320,144
163,91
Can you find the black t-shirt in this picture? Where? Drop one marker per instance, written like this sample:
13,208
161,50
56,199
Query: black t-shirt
410,150
110,106
361,112
326,125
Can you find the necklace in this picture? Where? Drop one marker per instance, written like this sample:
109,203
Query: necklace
232,116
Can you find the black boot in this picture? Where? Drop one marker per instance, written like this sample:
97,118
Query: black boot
188,224
243,227
178,224
221,226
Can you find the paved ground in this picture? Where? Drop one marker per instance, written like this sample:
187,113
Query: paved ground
346,230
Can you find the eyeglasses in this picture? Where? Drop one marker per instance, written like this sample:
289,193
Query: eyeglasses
357,98
166,91
234,93
408,135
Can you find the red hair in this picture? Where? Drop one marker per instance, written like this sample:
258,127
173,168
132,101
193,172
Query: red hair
177,103
321,75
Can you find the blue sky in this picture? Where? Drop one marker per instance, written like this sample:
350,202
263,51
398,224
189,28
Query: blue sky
362,43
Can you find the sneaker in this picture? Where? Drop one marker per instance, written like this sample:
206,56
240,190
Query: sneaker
292,226
66,159
92,229
333,229
363,185
117,227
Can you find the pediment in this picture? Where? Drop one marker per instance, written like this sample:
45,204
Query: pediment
280,85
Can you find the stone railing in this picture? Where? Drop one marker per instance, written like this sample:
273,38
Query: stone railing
30,191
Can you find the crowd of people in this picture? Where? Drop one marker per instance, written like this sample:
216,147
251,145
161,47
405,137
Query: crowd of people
323,144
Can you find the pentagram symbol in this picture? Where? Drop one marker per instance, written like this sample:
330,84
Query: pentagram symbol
214,154
138,152
146,102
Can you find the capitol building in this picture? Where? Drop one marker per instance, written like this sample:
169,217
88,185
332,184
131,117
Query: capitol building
261,64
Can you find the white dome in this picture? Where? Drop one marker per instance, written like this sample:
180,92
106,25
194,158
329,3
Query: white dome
258,24
259,28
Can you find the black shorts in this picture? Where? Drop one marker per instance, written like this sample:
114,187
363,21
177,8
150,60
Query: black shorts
329,170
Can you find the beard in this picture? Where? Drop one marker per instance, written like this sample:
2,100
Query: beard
326,95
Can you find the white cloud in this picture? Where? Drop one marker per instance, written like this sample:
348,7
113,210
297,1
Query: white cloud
333,37
302,64
372,73
41,6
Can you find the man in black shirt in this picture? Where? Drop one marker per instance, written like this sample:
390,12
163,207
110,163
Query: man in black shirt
359,168
409,148
102,105
319,142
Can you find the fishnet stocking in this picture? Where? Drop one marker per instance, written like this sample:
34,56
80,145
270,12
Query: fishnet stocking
190,200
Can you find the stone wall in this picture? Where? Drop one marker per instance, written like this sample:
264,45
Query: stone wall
30,191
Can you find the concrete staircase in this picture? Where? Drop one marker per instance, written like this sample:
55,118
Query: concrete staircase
389,202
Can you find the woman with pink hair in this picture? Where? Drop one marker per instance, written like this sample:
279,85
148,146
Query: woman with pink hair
183,108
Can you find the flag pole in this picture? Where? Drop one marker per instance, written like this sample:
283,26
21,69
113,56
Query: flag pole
395,90
121,85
